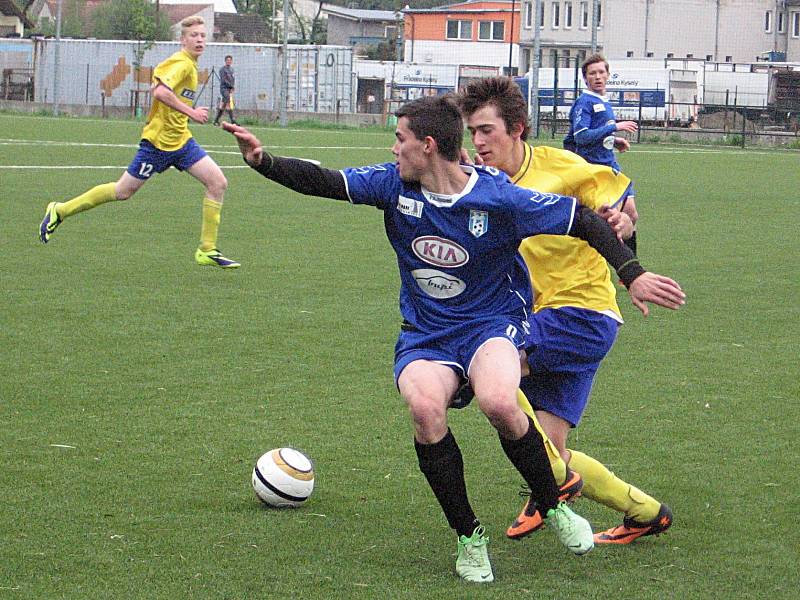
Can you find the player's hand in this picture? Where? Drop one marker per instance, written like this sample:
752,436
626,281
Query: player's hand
617,220
249,145
629,126
621,144
656,289
199,115
464,158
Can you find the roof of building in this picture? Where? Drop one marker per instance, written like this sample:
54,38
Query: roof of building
357,14
12,9
220,6
176,13
244,28
469,6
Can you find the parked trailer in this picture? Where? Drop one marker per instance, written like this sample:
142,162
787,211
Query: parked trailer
628,91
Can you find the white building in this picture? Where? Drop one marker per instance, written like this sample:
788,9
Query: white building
734,31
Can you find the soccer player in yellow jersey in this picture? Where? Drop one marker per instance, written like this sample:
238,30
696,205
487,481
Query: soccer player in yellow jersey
166,142
575,316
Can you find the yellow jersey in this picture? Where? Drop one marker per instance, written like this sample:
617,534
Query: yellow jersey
566,271
166,128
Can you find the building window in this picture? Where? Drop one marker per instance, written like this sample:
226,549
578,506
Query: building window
459,30
629,54
728,58
690,55
670,55
781,22
554,58
584,15
581,56
567,15
768,21
709,57
796,24
541,15
528,15
650,55
556,14
491,30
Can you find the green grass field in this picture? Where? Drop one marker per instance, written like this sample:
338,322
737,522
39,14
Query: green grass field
137,389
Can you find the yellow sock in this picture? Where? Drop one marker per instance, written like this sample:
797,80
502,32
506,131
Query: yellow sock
96,196
601,485
208,232
557,464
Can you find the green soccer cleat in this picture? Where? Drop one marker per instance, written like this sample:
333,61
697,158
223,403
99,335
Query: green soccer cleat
473,563
49,223
572,530
214,258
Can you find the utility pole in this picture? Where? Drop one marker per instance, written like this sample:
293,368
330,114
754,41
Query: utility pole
57,59
511,38
285,65
533,74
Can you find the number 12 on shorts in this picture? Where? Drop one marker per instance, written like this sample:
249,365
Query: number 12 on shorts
145,170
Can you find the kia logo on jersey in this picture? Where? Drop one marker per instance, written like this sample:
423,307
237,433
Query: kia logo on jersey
439,251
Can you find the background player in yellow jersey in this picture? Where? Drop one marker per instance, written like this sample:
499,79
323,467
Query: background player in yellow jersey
576,315
166,142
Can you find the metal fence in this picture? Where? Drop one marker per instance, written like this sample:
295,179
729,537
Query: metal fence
118,73
728,124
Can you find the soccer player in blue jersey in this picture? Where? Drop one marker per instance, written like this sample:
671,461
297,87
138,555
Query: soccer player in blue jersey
463,298
592,128
166,142
575,312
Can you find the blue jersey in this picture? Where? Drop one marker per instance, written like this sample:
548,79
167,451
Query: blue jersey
457,254
591,130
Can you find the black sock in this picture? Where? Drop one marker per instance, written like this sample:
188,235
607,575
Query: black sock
219,114
529,456
443,467
230,114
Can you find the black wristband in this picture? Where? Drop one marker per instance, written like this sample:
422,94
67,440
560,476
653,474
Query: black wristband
631,242
265,166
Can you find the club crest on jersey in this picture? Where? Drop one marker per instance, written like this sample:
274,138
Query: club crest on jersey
439,252
478,222
187,93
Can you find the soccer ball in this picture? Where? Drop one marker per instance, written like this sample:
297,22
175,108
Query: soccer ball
283,478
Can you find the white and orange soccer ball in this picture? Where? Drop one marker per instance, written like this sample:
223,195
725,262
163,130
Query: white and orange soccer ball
283,478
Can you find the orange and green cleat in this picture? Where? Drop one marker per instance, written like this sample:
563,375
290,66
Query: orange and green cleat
630,529
530,519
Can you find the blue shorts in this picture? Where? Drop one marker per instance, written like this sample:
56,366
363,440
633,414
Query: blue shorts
629,192
150,160
456,346
565,347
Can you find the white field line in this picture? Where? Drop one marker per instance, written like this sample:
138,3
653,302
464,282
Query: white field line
211,149
225,150
139,124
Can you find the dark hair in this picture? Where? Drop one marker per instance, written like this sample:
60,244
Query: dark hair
227,56
594,58
439,118
502,93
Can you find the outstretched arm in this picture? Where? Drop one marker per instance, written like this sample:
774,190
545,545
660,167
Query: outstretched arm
297,174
